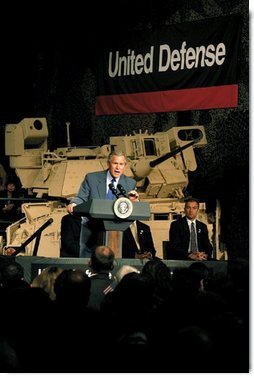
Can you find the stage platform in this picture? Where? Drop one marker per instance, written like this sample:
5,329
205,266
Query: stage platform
33,265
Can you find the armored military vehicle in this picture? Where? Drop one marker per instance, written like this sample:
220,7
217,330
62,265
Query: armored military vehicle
159,162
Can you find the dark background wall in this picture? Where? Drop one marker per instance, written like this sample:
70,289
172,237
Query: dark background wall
48,69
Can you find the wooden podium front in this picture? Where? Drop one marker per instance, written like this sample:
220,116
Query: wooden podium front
114,240
114,226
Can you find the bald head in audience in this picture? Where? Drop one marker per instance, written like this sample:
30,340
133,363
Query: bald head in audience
102,259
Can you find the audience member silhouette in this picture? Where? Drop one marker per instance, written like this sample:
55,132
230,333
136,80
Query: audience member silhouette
72,288
77,328
46,280
127,307
123,270
28,316
199,274
101,265
192,312
10,209
12,275
159,277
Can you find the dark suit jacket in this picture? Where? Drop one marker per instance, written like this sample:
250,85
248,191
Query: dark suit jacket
179,238
70,235
99,282
129,246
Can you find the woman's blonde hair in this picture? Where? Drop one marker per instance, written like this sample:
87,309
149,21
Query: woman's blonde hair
46,280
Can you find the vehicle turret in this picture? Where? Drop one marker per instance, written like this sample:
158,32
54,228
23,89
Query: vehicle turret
160,162
142,168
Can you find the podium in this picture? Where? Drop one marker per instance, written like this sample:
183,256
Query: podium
114,221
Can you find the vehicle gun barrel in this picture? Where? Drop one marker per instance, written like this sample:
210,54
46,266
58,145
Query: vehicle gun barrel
142,168
170,154
36,234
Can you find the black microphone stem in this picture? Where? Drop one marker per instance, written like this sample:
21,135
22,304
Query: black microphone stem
122,190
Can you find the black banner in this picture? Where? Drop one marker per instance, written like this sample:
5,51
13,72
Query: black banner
186,66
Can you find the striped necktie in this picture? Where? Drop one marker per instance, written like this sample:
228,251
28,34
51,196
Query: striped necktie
194,247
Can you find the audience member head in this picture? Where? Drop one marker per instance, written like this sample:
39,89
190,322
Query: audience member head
102,259
125,269
72,287
132,295
11,186
12,275
157,271
199,273
46,280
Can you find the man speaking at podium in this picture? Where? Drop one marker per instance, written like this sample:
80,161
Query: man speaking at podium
101,185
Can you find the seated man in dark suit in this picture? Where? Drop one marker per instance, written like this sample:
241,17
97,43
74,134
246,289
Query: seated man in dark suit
138,242
188,237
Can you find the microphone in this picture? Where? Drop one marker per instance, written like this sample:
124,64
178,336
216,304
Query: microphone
113,189
122,190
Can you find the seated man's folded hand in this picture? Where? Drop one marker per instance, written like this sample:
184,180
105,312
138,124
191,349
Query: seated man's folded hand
145,255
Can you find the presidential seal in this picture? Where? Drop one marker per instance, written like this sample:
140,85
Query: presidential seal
123,207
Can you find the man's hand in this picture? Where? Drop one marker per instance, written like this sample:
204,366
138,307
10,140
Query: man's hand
69,208
198,256
203,255
8,207
133,196
145,255
9,251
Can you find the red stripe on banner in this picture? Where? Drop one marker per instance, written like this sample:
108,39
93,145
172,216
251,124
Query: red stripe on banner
225,96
